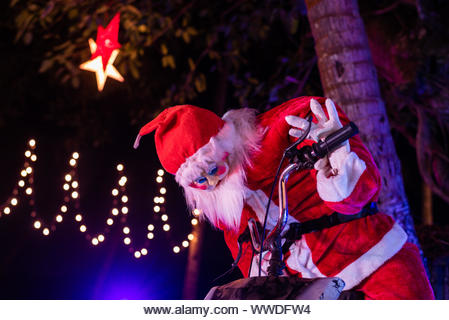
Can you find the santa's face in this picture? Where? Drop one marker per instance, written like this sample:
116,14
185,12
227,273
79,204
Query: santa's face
210,178
214,177
218,191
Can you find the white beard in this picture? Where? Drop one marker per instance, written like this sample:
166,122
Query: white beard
222,206
240,138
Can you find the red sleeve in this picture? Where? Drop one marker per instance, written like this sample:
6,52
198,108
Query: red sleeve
277,139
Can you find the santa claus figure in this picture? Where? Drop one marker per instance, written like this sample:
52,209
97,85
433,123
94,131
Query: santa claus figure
227,166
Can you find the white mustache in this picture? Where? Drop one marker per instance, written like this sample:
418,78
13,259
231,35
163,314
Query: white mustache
222,206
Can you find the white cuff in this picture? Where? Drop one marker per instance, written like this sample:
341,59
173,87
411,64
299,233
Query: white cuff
349,169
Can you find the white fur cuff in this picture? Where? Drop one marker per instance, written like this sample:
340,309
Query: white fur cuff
349,169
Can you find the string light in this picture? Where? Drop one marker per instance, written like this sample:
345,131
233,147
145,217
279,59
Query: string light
122,181
70,187
194,222
176,249
190,237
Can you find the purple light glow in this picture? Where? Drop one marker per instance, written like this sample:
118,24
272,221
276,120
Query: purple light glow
125,289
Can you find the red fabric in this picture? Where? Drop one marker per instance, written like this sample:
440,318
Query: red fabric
180,132
346,242
400,278
335,248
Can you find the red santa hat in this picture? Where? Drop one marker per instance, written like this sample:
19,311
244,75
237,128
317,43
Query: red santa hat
180,132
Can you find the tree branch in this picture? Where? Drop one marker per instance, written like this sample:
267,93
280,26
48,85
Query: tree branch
175,19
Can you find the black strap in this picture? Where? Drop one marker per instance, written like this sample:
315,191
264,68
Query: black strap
297,229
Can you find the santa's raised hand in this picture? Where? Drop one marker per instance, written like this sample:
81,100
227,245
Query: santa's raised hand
319,130
339,172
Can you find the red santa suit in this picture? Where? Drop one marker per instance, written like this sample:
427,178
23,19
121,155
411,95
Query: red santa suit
370,254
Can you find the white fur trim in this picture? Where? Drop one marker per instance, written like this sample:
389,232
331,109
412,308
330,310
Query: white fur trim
266,256
258,200
350,168
254,272
300,259
371,260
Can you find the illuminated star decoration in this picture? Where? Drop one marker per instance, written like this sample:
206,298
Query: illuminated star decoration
107,40
104,52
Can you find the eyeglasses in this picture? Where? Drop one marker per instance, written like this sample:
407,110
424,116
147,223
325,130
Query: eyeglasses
210,179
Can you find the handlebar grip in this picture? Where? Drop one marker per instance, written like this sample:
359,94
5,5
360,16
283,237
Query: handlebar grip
334,140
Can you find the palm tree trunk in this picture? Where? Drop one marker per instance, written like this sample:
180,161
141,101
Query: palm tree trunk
349,77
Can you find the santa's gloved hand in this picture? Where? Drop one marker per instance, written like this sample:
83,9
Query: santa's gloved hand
339,172
319,130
